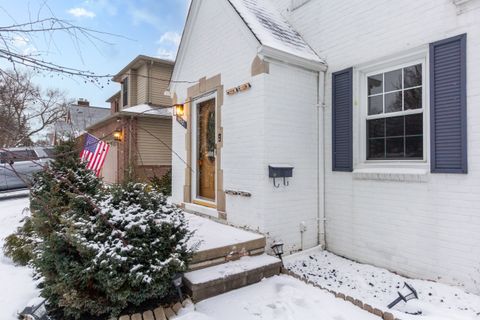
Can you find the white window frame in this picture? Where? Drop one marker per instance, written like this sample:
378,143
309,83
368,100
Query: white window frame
361,74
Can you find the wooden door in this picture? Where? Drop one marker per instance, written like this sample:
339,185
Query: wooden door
206,150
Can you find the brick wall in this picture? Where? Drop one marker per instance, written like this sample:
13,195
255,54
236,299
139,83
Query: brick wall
426,229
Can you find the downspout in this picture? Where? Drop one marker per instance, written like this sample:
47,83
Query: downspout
321,106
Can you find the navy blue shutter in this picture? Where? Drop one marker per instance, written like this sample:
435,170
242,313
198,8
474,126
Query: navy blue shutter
342,109
448,105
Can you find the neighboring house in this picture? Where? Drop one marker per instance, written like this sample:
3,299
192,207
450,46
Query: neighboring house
139,127
380,133
78,117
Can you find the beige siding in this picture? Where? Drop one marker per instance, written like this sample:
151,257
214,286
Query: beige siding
154,142
132,88
142,82
159,80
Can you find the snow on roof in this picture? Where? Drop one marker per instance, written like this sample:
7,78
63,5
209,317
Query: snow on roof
272,29
149,110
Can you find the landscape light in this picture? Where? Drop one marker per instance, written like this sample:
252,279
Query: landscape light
177,283
406,294
278,250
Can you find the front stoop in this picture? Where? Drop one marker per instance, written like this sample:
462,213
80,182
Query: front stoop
206,283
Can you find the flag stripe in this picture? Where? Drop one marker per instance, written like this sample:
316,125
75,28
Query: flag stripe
94,153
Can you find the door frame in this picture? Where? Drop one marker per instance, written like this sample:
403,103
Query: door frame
194,151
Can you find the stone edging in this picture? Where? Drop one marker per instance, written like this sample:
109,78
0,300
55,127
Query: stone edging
160,313
379,313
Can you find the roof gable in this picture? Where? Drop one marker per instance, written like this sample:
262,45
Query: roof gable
272,29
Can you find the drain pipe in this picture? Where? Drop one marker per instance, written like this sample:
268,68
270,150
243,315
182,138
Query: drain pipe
321,106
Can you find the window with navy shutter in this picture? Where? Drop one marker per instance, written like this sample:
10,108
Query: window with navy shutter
342,121
448,105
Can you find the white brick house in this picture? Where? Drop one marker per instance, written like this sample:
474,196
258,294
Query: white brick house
393,179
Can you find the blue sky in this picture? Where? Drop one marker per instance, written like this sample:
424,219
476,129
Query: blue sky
150,27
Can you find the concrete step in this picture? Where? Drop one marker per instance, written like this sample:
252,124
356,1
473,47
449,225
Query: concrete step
209,282
219,242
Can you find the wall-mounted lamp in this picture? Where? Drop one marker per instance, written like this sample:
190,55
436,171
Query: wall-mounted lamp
118,135
178,110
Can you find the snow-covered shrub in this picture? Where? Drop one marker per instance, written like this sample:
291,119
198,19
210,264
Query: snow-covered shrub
163,184
128,246
99,249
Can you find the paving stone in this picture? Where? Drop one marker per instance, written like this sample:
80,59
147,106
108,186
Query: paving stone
177,306
159,314
350,299
340,296
124,318
187,302
388,316
169,313
378,312
136,316
368,308
148,315
359,303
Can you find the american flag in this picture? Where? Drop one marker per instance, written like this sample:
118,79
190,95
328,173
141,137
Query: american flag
94,153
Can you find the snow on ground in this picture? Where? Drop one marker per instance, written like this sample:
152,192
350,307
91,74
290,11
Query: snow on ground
211,234
17,286
276,298
378,287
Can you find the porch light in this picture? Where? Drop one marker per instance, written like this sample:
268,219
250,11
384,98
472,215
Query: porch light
407,293
278,250
178,110
177,283
118,135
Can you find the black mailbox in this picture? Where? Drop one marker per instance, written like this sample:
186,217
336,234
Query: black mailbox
280,171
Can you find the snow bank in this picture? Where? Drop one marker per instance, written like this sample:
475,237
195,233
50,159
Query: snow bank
276,298
17,285
378,287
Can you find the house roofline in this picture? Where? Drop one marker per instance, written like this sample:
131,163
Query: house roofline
114,96
138,61
293,59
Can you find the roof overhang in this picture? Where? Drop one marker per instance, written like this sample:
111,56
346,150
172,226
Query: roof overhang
138,62
292,59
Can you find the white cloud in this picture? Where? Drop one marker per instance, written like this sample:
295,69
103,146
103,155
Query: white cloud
171,37
81,13
22,45
166,54
140,16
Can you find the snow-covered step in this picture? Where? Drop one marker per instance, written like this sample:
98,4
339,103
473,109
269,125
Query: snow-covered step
212,281
218,241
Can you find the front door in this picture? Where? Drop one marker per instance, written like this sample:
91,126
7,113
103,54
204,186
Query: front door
206,150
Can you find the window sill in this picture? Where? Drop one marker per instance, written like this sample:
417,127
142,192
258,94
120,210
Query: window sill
392,174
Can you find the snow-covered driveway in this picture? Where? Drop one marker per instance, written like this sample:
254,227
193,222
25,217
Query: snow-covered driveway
16,285
277,298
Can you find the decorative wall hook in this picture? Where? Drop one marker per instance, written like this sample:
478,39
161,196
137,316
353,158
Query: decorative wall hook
274,184
280,171
285,182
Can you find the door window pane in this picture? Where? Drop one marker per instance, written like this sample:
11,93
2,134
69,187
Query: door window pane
375,84
375,105
393,80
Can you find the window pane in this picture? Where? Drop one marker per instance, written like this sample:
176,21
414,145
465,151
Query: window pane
393,102
395,126
414,146
413,99
376,128
414,124
393,80
395,148
413,76
375,105
375,84
376,148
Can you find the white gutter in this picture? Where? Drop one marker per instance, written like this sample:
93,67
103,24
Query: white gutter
314,65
